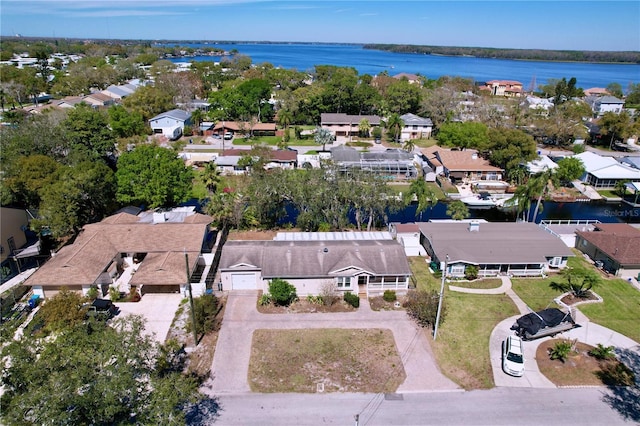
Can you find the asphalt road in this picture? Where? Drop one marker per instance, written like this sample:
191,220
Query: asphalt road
498,406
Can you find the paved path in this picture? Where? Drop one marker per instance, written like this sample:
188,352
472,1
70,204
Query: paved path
588,332
157,309
233,350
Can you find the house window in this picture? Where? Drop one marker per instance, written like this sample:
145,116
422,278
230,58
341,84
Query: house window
362,279
344,282
12,245
457,269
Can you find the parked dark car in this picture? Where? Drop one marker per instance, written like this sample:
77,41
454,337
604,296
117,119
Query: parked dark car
102,309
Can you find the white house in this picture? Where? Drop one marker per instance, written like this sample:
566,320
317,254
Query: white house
605,172
541,164
171,123
606,104
415,127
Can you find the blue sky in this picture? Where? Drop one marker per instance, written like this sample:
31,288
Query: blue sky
544,24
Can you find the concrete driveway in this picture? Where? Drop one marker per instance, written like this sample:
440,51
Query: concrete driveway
231,361
157,309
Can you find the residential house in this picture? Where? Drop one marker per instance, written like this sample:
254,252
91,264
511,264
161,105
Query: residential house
16,243
68,102
146,252
494,248
541,164
411,78
227,161
244,128
596,91
171,123
117,92
616,246
462,165
98,99
351,261
540,106
345,124
606,104
390,163
605,172
503,88
415,127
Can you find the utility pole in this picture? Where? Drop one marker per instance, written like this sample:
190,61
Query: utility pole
444,275
193,311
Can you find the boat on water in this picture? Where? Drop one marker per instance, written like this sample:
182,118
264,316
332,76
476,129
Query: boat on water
479,201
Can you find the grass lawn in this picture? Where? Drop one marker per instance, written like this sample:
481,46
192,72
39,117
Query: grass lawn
462,345
344,360
404,186
620,310
608,193
480,284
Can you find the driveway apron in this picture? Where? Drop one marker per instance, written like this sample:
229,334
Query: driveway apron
233,351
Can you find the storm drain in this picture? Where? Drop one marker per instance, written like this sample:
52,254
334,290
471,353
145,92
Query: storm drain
393,397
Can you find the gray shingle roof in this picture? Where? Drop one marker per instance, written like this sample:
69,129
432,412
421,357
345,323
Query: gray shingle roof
299,259
176,114
414,120
494,243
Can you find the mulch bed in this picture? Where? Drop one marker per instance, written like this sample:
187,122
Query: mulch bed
570,299
579,369
303,306
379,304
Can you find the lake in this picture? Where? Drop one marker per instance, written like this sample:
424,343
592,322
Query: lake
304,57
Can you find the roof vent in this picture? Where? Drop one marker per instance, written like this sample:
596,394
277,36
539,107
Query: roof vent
474,156
474,226
326,250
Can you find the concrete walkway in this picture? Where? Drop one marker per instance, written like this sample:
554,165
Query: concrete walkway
233,350
588,332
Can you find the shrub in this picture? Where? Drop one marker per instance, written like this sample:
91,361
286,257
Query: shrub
616,374
422,306
205,308
62,311
133,295
316,300
389,296
92,294
114,294
471,272
265,299
560,350
329,292
602,352
352,299
282,293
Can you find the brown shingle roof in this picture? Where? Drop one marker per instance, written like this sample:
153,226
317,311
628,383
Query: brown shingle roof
619,241
98,244
464,160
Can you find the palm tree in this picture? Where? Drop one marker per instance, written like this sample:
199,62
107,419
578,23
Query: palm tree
196,119
458,210
423,193
394,126
285,118
409,145
211,177
540,185
364,127
323,136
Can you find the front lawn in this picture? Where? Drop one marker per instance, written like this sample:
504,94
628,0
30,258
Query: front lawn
620,310
462,345
402,187
341,360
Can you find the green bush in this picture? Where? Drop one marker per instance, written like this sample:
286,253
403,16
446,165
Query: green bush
422,306
282,293
316,300
560,350
602,352
265,299
471,272
92,293
114,294
389,296
352,299
205,308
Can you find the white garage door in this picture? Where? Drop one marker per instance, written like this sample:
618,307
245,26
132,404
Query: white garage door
243,281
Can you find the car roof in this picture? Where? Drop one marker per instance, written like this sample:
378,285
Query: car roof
515,344
102,303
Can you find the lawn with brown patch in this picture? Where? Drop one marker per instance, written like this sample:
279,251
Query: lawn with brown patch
579,369
343,360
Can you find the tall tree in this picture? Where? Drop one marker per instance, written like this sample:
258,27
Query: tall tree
394,125
421,192
88,132
323,137
153,176
94,374
464,135
125,124
458,210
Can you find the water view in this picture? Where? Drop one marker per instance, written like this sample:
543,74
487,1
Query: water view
304,57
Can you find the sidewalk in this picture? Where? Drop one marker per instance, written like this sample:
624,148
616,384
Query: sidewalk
233,350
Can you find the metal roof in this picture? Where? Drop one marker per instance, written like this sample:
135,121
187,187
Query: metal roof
332,236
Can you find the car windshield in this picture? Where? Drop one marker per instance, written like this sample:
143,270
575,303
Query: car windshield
514,358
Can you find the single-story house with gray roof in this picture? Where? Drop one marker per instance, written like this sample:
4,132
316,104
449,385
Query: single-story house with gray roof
360,266
495,248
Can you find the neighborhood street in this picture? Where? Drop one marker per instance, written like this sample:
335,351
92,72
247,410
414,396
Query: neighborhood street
499,406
